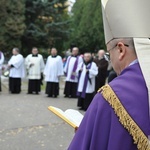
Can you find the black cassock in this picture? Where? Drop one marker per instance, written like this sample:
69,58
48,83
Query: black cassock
34,85
52,89
102,65
70,89
15,85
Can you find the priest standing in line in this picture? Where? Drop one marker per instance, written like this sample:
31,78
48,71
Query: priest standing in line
70,71
86,72
53,70
17,71
35,67
1,65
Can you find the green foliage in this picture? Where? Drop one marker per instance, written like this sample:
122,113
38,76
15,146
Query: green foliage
29,23
87,26
46,22
11,24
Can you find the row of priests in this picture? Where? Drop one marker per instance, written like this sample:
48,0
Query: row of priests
80,74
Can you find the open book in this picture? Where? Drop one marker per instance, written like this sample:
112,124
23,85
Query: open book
71,116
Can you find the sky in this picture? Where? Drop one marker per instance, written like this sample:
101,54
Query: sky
71,4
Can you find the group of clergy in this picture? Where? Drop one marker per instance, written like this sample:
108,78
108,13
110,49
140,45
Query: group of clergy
81,73
35,68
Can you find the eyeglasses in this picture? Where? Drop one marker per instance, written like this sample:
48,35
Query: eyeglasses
107,55
115,46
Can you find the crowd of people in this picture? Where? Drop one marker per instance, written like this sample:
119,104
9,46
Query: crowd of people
118,117
85,74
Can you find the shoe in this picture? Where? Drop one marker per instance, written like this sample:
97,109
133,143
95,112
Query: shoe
73,97
49,95
29,93
81,108
66,96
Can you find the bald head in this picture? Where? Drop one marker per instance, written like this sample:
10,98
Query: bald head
101,53
122,53
127,41
15,51
75,51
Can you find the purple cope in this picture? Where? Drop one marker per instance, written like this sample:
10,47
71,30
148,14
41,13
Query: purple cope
100,128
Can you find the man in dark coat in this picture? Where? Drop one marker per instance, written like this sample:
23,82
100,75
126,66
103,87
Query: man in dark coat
102,65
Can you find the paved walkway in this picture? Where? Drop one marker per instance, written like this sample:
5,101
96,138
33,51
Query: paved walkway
27,124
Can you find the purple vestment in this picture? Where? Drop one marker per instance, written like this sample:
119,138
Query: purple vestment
74,67
83,93
101,129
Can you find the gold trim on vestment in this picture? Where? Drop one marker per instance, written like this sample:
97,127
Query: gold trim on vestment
125,119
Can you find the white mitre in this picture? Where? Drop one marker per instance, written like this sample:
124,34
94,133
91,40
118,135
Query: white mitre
130,18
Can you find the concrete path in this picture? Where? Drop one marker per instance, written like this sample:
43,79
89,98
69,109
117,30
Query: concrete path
27,124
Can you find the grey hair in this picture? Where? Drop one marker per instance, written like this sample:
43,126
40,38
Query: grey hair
88,53
75,48
16,49
127,41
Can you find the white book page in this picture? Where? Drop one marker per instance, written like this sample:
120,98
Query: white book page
74,115
60,111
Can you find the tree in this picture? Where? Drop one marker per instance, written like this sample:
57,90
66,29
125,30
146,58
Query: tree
87,25
11,24
46,22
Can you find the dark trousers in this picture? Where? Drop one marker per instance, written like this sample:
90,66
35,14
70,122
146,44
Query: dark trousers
70,89
14,85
